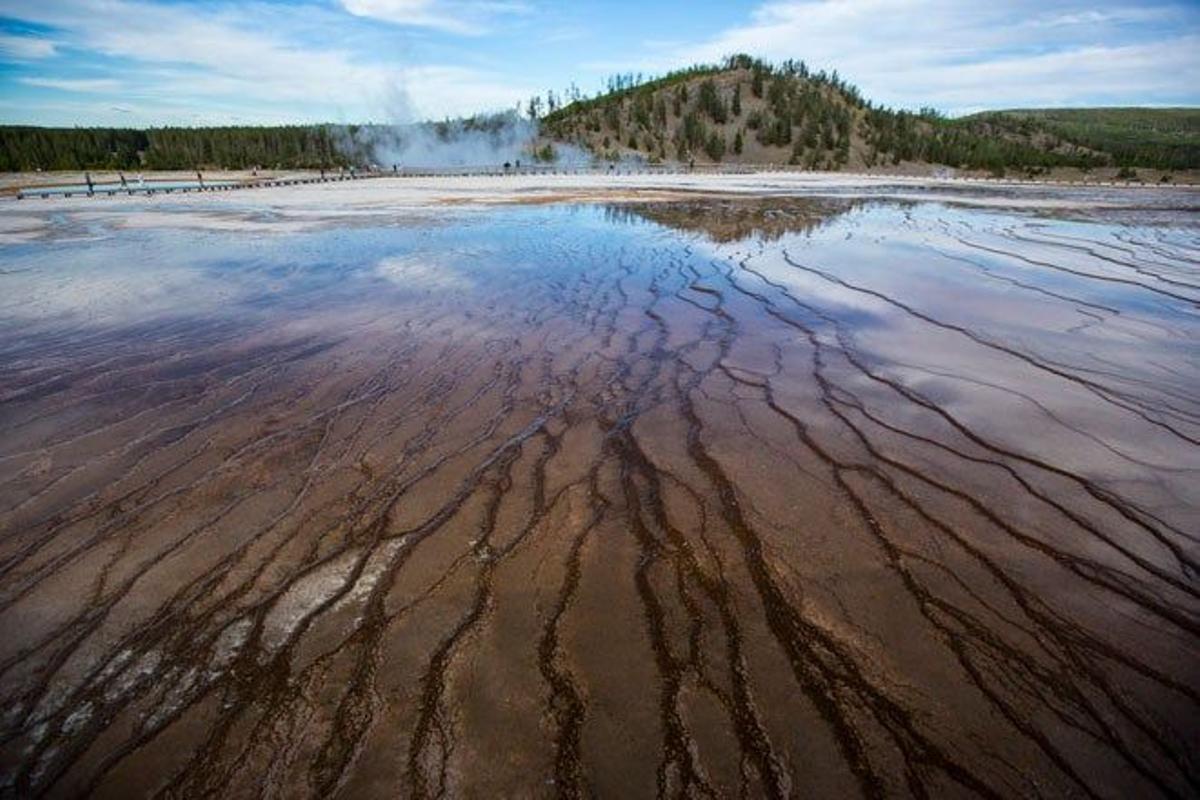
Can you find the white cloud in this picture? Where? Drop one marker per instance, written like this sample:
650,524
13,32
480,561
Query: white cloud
960,54
352,60
247,62
73,84
1079,75
25,48
466,17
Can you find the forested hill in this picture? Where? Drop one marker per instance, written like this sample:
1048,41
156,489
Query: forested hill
743,110
750,111
1167,138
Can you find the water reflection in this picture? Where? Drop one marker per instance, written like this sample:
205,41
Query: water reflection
731,219
828,498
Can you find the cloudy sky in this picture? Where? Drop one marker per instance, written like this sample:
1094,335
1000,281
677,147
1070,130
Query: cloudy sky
153,62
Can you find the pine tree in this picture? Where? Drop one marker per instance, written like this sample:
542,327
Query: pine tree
715,146
709,101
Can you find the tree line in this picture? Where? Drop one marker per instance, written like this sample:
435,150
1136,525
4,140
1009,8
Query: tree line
29,148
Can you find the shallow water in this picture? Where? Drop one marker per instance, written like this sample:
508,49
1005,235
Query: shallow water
824,497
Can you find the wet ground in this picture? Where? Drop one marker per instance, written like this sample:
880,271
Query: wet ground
709,498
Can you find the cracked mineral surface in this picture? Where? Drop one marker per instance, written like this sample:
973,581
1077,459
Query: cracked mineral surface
705,497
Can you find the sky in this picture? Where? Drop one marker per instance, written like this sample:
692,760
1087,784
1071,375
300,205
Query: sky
138,63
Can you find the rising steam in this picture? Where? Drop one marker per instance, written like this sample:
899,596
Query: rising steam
482,140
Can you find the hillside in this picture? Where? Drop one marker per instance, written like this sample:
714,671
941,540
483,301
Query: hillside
743,110
749,111
1167,138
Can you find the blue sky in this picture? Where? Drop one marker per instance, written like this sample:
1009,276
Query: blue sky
155,62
